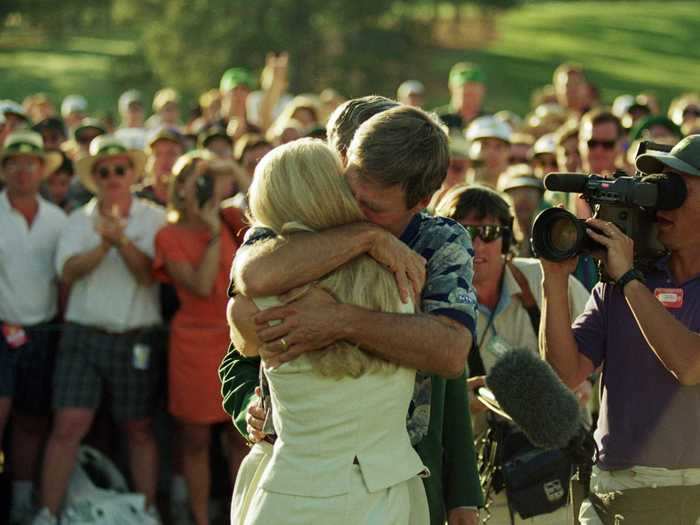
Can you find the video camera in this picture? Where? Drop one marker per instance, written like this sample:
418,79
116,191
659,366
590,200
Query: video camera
630,203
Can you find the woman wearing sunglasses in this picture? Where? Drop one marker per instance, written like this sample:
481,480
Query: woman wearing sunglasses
509,293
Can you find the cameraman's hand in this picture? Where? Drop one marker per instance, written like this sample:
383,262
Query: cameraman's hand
557,272
619,256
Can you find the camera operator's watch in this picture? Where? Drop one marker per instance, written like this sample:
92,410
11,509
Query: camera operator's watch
630,275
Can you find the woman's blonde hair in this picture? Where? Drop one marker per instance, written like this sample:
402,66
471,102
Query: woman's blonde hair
299,187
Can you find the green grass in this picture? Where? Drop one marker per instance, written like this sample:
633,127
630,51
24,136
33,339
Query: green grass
624,46
80,64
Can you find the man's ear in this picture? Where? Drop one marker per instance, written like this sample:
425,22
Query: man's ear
422,204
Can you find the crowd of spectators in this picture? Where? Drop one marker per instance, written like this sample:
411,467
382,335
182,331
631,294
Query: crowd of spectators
115,255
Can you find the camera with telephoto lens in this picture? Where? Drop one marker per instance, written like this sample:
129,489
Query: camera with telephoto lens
630,203
204,185
204,188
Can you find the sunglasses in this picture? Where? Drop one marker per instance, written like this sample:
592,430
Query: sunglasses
695,112
606,144
119,170
487,232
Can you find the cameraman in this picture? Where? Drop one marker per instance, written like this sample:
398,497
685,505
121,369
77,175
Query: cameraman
643,330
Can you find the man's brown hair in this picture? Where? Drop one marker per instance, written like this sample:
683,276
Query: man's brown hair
347,117
601,115
405,146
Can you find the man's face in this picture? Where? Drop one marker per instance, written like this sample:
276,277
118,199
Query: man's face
253,155
170,114
58,184
305,116
519,153
53,138
526,202
114,176
220,147
488,257
568,157
164,154
495,155
234,100
384,206
600,147
572,90
134,115
14,122
74,118
415,100
544,163
85,137
678,228
467,98
456,172
23,174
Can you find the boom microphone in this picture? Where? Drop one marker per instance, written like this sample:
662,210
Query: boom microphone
531,393
567,182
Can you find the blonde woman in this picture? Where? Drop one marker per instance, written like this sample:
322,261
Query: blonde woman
342,453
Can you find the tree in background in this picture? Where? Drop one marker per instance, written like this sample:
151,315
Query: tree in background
353,46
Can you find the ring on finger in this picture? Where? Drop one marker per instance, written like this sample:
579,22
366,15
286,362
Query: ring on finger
284,344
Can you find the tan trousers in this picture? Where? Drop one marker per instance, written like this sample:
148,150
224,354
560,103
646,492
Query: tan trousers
640,495
501,516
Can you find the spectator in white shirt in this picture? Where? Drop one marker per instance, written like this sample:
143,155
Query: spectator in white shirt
30,229
105,255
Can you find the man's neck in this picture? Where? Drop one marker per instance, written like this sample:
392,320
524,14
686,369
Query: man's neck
160,188
123,204
685,263
400,229
26,205
489,293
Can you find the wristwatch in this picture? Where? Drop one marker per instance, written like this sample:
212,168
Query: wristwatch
630,275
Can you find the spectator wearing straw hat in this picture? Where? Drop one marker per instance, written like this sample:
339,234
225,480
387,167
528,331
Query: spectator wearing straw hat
28,304
105,255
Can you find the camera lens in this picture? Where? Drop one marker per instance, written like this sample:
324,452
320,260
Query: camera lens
557,235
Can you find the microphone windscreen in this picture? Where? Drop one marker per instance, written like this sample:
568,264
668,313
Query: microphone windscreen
568,182
532,394
671,192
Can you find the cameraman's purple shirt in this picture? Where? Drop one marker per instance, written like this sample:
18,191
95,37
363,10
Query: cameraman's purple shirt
646,416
